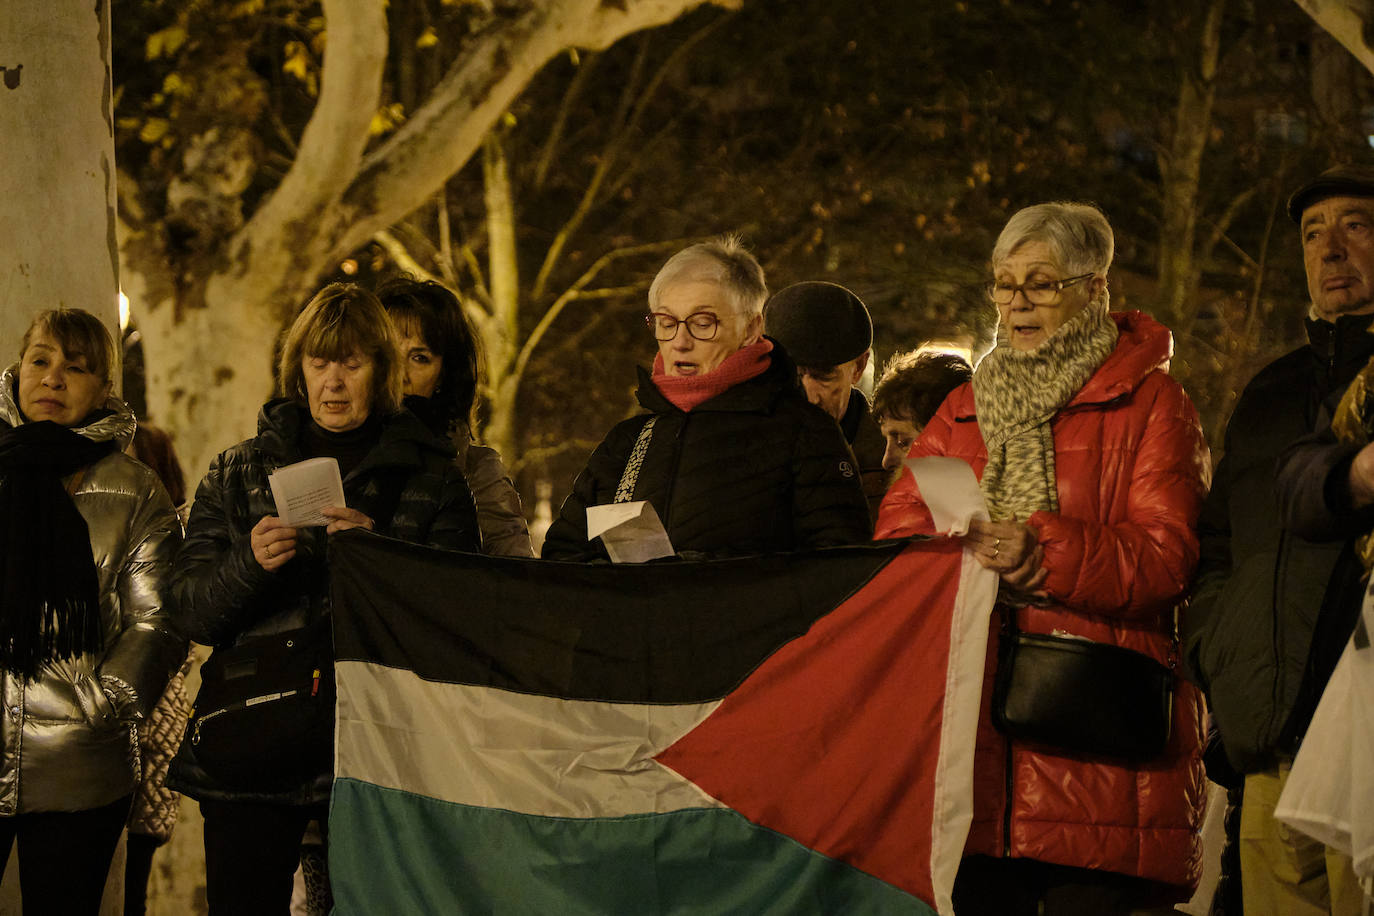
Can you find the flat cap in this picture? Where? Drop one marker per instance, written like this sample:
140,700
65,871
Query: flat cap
818,323
1340,181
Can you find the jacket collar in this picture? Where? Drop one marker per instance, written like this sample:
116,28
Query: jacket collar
403,440
1143,345
1343,346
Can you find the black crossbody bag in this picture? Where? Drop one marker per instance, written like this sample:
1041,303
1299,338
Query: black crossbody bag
264,716
1081,696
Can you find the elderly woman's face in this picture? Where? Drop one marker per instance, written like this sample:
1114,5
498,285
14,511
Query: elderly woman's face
55,386
684,354
339,391
1028,325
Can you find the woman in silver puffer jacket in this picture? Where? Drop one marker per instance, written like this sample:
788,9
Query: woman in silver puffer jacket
87,539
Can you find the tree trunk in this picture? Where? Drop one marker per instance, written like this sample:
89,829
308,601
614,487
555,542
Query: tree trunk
57,236
210,326
1352,24
1181,176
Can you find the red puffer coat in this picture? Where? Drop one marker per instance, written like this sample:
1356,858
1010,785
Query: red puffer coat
1132,470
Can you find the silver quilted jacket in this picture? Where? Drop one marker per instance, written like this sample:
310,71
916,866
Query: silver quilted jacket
62,746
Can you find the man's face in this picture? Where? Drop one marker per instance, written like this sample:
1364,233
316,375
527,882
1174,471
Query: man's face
828,387
1338,253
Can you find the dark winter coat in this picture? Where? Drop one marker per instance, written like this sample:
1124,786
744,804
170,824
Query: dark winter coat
1261,621
756,469
866,440
224,595
1131,469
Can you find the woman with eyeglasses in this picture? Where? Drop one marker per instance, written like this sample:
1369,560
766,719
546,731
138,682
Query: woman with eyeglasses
1093,466
729,452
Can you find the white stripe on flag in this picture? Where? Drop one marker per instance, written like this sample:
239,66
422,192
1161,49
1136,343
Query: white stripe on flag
495,748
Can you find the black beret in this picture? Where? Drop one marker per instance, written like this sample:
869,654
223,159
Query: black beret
818,323
1341,181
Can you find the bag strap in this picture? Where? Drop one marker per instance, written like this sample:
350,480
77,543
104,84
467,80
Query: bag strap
626,491
76,481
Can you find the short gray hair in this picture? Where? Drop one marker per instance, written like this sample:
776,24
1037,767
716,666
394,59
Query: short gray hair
1078,235
724,262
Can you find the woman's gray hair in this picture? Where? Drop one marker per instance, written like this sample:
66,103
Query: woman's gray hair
1078,235
724,262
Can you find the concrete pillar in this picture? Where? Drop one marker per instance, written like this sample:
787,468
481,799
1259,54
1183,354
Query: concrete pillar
57,175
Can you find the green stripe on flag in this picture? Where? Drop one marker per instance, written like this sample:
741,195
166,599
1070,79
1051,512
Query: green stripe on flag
392,851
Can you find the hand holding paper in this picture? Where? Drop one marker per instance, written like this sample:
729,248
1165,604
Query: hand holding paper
957,507
302,489
632,532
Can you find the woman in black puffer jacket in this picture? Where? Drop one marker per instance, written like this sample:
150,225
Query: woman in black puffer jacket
737,460
242,574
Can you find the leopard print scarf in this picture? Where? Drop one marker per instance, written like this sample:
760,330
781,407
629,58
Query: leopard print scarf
1353,422
1017,392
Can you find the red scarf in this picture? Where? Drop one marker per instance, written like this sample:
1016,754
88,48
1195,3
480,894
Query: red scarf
687,391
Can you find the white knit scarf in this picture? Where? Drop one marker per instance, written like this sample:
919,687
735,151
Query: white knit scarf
1017,392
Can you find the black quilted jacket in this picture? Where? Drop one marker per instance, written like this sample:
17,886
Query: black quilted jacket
224,595
756,469
1271,611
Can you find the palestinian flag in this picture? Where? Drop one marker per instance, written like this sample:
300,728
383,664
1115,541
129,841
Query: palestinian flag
781,734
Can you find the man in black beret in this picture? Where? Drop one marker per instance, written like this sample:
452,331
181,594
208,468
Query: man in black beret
827,331
1276,600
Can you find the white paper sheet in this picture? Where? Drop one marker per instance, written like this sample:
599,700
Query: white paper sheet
302,489
632,532
950,491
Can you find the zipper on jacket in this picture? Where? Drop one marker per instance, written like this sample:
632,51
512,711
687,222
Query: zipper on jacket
672,477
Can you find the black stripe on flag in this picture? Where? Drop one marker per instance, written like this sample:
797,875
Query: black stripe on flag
665,632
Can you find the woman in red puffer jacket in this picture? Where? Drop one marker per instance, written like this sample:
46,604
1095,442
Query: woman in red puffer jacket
1094,468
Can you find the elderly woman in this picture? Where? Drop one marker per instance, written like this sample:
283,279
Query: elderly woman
730,453
86,640
913,386
1094,468
442,368
256,589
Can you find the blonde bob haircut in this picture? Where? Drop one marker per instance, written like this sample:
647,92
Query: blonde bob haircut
343,319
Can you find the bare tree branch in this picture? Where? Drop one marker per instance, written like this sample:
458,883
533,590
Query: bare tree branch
332,145
570,295
585,69
401,255
610,156
1343,20
484,80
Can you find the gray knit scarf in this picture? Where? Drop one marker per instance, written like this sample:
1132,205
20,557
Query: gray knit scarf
1017,392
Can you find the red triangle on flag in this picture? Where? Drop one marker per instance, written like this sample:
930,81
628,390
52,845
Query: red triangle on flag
833,740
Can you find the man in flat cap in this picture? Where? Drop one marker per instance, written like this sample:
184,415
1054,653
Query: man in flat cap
1273,609
827,331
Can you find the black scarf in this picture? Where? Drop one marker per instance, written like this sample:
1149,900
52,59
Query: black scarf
49,590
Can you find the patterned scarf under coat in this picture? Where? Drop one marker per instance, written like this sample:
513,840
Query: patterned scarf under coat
1017,392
